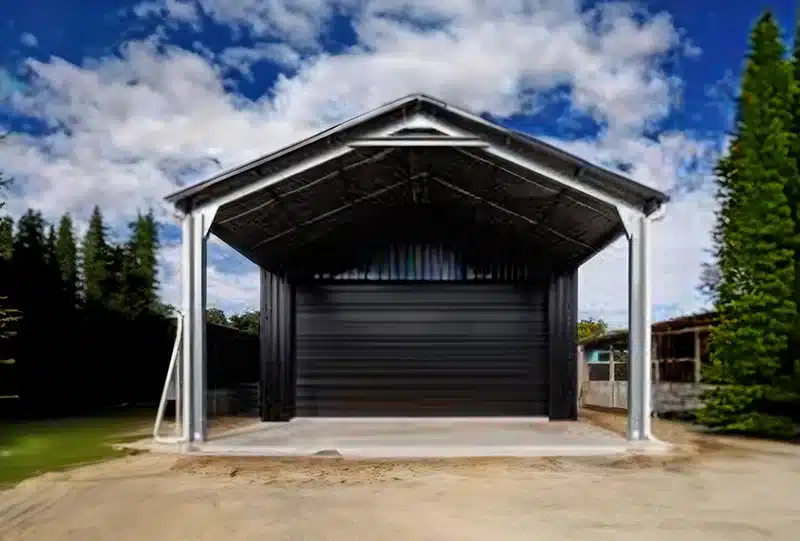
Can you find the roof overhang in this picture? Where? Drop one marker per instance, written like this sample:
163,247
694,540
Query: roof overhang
412,154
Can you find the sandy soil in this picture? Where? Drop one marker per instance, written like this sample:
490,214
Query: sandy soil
714,489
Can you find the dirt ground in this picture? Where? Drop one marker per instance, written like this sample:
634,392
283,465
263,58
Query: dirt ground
713,489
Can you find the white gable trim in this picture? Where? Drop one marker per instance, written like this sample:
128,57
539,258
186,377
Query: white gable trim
209,210
530,165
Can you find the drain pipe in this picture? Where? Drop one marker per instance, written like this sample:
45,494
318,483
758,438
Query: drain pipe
182,436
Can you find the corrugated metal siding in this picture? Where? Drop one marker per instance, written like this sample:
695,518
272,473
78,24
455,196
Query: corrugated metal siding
429,262
277,348
421,349
563,336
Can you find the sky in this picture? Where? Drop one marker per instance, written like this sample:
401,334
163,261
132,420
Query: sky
117,104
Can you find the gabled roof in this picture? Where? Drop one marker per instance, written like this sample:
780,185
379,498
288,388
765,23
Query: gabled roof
600,178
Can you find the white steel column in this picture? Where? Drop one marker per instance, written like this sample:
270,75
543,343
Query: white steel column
640,321
193,259
187,290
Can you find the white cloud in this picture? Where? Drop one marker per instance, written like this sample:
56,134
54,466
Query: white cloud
127,129
28,39
176,10
242,59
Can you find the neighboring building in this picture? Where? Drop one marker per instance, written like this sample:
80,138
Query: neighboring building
417,260
679,350
680,347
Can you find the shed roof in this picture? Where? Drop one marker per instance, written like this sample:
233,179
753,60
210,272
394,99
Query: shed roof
418,152
701,320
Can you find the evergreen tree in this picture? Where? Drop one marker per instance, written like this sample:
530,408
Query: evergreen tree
755,244
141,265
116,289
9,316
54,274
50,245
6,236
30,255
67,258
96,255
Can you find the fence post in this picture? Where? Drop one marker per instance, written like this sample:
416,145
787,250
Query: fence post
697,358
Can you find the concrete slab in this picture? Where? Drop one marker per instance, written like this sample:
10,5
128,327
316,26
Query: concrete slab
422,438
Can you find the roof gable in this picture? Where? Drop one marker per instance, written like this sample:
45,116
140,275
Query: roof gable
473,129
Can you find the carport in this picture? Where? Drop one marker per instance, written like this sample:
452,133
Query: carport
417,261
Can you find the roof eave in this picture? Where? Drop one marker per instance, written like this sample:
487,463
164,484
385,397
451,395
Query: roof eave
179,196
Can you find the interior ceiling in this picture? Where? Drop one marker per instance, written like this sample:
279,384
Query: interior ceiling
464,185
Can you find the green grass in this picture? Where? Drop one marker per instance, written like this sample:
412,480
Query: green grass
34,447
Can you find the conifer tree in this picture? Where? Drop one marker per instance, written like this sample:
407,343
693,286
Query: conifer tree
755,243
9,315
96,256
142,263
67,258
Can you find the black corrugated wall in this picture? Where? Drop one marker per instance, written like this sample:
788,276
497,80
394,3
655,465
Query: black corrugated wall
278,342
563,334
277,348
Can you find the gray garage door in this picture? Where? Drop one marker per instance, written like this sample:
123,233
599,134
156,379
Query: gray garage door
433,349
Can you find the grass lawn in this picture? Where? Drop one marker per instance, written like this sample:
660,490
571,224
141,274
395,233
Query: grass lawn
29,448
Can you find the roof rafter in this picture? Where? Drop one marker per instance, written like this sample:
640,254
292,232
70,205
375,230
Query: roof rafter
501,208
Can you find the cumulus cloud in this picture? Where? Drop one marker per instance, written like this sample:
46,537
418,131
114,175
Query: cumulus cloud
125,129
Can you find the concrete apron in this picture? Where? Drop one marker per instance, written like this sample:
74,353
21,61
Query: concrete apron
418,438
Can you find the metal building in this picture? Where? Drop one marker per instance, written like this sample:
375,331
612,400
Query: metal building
417,260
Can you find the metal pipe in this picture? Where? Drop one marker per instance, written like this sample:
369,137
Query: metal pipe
162,405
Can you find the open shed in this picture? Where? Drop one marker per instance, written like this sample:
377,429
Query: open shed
417,261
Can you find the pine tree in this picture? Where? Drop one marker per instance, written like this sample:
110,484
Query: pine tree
115,287
50,244
755,244
31,274
6,236
9,316
67,257
140,267
96,255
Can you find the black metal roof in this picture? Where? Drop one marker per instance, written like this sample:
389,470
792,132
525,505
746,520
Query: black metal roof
372,187
602,177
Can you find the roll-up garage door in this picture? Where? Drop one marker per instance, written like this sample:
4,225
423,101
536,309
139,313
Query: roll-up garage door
425,349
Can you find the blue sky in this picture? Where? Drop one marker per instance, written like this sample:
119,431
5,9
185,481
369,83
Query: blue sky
117,103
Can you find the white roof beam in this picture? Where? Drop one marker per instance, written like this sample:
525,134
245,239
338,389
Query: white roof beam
405,141
338,151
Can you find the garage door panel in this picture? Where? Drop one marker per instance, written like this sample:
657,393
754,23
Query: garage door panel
418,366
421,349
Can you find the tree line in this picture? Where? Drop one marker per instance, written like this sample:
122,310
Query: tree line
754,280
44,269
248,321
83,322
83,327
